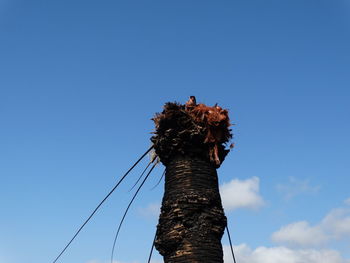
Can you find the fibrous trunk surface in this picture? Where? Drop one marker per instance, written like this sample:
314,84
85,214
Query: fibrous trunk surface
192,219
190,141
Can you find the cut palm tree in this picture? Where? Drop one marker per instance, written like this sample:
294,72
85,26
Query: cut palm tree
190,141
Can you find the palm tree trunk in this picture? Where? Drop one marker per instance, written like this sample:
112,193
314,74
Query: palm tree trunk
190,141
192,219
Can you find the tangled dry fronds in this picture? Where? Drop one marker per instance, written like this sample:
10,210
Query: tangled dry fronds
192,129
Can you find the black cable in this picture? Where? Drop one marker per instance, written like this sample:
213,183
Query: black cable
150,254
159,180
104,199
127,209
140,176
229,238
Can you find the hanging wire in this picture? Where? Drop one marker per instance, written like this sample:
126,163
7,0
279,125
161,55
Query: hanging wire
229,238
127,209
159,180
104,199
140,176
150,253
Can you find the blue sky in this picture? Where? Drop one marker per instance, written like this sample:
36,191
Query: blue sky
80,81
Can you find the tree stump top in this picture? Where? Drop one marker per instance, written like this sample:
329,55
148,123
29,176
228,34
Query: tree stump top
192,129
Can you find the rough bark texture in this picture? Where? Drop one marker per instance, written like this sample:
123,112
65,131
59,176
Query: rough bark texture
190,141
192,219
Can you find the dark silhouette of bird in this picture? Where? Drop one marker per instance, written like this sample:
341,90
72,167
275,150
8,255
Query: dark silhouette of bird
191,103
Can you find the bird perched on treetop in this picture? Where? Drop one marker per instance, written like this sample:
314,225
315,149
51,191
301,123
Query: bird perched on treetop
191,103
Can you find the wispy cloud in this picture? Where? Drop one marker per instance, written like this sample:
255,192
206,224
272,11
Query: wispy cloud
300,234
281,254
337,223
150,211
241,194
334,226
296,187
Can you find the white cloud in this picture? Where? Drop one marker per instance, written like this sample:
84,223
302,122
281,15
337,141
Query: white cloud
150,211
337,223
241,194
244,254
300,234
347,201
296,187
334,226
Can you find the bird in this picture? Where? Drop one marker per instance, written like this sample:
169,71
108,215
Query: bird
191,103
